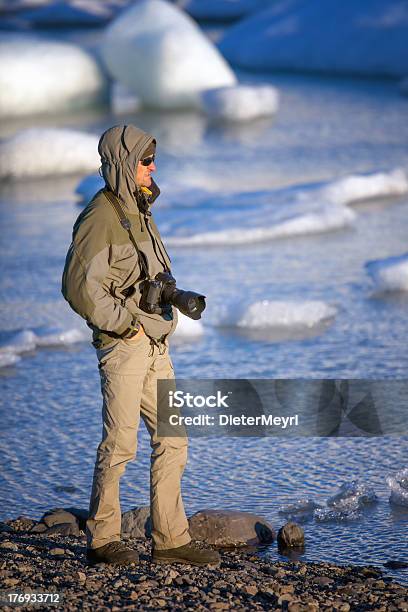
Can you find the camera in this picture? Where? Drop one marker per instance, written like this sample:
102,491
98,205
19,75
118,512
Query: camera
160,293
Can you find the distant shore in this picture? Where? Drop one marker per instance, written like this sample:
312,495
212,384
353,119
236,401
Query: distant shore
32,562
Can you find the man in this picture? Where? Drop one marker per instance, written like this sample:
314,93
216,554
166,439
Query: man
106,264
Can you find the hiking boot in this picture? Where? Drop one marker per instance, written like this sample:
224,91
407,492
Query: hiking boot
113,552
190,554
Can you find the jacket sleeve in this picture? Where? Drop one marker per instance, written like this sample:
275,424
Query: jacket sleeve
84,281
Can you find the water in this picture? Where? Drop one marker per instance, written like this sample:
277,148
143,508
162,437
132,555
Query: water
214,177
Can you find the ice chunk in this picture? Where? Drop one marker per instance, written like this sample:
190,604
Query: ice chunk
363,187
43,76
160,54
240,102
38,152
301,509
220,10
367,37
187,328
325,219
27,341
399,488
275,314
347,503
389,274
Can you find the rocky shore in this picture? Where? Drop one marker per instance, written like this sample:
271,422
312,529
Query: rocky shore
51,562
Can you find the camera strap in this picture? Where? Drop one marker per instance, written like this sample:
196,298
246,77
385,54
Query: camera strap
126,224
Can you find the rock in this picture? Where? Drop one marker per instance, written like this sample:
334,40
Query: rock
6,544
240,102
251,589
322,580
64,529
291,535
5,528
43,76
136,523
39,528
169,67
56,552
57,516
396,564
21,523
230,528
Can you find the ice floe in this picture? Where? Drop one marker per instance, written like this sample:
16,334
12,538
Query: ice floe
347,503
332,36
300,510
27,341
357,187
325,219
276,314
160,54
240,102
44,76
390,274
42,152
399,488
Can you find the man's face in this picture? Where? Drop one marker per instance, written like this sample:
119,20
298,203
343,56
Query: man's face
143,171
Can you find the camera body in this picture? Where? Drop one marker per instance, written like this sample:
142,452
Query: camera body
160,294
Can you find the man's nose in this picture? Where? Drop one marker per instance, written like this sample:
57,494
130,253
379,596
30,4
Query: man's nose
152,167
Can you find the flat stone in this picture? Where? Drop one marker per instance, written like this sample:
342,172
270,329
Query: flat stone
230,528
57,516
64,529
57,551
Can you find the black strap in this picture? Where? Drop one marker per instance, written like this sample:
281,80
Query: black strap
126,224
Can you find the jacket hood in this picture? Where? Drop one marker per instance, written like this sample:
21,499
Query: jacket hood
121,148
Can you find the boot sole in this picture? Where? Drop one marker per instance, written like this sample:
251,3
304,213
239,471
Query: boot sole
171,560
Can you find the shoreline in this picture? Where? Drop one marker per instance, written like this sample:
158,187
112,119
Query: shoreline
244,580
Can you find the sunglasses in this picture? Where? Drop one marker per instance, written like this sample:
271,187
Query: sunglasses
148,160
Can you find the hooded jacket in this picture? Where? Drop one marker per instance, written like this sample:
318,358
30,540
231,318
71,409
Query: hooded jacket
102,279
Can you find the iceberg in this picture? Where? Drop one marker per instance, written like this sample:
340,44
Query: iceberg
122,100
330,36
390,274
43,76
38,152
160,54
240,102
277,314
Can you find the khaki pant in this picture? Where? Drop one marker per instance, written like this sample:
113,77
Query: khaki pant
129,372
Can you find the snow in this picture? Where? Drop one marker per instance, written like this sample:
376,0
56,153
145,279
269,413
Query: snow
325,219
332,36
43,76
399,488
277,314
27,341
240,102
38,152
219,10
389,274
160,54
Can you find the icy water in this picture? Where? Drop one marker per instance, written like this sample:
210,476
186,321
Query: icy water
215,177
